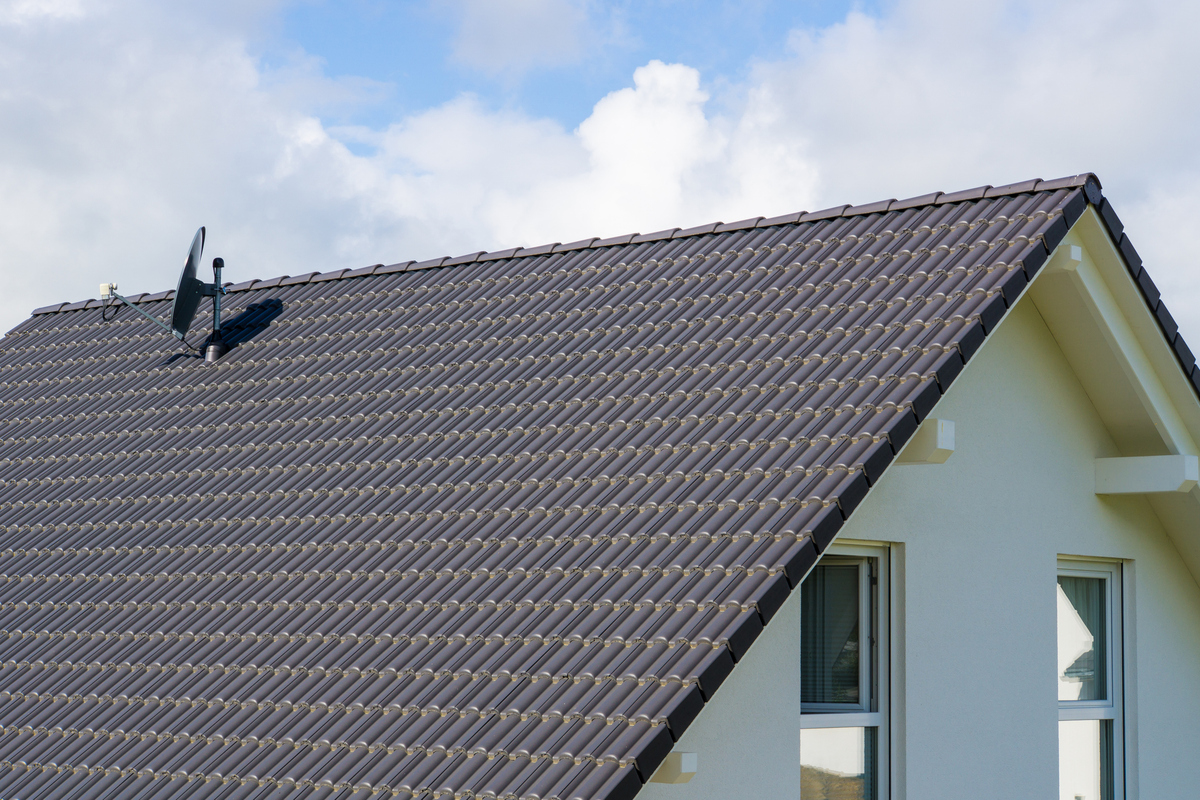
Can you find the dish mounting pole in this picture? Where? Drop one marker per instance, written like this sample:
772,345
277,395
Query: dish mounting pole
216,345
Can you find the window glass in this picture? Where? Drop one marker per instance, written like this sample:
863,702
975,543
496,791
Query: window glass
829,635
838,764
1084,759
1082,650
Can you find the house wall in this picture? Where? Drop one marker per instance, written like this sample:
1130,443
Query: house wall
977,711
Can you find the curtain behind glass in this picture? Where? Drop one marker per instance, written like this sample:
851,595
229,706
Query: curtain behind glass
829,635
1082,649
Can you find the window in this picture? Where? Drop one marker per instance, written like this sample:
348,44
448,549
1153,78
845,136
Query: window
1090,752
844,669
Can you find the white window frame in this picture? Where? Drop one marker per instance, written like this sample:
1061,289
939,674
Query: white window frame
875,676
1112,708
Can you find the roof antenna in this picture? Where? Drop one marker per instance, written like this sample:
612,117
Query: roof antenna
188,293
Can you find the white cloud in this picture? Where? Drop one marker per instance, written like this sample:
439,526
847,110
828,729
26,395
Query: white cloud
21,12
118,138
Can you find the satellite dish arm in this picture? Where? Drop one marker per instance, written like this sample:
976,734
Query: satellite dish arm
112,292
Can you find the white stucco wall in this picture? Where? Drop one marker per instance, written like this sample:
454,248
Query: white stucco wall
981,537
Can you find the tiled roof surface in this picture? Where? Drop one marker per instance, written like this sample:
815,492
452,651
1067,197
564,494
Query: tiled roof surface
495,526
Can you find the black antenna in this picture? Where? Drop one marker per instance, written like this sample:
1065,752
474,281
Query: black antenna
188,294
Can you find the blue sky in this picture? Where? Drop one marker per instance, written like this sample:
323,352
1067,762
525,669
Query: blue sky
408,50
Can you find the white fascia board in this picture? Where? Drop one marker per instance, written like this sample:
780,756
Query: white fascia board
1147,474
1147,359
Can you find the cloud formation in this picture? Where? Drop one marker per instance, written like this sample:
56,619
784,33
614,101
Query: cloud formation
119,136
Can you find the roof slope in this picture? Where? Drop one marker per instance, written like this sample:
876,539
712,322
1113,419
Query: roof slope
493,528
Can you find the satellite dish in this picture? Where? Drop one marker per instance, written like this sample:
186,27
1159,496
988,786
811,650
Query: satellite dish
188,293
190,290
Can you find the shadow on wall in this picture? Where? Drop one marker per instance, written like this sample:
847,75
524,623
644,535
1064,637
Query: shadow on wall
240,329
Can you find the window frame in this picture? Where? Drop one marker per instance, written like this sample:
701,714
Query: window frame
876,671
1112,708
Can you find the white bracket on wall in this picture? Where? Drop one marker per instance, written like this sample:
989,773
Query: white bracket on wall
1147,474
933,443
676,768
1066,258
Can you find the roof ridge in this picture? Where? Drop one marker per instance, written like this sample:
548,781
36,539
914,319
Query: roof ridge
877,207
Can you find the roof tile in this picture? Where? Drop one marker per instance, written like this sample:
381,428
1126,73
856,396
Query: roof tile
329,276
915,202
828,213
1013,188
464,259
298,279
582,244
966,194
405,507
1111,220
500,254
654,237
430,263
784,219
869,208
361,271
626,239
540,250
740,225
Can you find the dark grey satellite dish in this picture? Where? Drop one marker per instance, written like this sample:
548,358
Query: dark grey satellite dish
188,293
190,289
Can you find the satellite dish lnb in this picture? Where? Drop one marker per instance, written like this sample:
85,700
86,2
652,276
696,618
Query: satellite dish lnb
188,294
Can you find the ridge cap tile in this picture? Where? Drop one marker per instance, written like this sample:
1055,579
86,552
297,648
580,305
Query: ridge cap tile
977,193
740,225
869,208
615,240
499,255
298,279
1068,182
657,236
389,269
832,212
582,244
540,250
782,219
363,271
414,266
469,258
1013,188
698,230
915,202
330,276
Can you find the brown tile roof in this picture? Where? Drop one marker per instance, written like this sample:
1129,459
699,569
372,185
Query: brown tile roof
496,529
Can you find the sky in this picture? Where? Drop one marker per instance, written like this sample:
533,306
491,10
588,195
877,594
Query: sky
311,135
